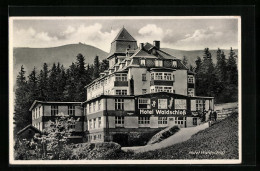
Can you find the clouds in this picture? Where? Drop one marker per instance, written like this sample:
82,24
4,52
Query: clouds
177,34
208,37
91,34
30,37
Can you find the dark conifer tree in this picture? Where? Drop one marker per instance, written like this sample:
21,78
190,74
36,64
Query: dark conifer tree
232,68
52,84
32,86
96,68
198,77
21,109
81,78
43,83
208,82
185,60
61,82
232,77
104,65
71,84
221,66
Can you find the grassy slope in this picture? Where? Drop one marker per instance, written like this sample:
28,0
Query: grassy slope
222,136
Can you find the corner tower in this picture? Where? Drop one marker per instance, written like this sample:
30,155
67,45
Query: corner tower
123,45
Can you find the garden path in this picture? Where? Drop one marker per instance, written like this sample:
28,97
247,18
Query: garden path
182,135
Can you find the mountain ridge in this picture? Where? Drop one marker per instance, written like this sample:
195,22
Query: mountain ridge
66,54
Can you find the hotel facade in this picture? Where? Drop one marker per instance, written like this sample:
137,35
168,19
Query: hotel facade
144,90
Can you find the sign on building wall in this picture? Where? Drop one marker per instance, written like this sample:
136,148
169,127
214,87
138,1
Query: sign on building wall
180,104
162,103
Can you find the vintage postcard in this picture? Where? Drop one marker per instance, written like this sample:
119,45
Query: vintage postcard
125,90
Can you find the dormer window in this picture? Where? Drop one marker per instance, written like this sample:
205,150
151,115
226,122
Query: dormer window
143,62
174,64
158,63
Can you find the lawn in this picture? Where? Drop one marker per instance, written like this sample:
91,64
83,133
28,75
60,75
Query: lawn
220,141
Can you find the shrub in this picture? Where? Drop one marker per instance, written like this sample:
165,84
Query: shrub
91,151
167,132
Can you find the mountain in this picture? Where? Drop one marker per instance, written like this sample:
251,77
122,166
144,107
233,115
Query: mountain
30,57
193,54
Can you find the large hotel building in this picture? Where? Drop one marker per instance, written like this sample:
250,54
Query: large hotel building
144,90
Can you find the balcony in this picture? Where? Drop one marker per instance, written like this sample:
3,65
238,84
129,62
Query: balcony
120,83
162,82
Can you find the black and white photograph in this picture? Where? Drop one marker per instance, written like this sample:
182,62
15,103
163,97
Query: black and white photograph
125,90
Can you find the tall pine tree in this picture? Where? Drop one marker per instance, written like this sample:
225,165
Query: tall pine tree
43,83
21,109
185,60
232,79
81,78
96,68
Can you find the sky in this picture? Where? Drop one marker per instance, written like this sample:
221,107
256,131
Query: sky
176,33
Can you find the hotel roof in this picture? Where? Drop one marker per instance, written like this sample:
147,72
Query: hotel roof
123,35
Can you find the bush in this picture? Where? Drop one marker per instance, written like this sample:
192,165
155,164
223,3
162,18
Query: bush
91,151
167,132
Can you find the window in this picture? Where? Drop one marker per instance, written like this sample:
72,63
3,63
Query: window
143,62
99,105
190,79
94,123
72,126
158,63
119,121
143,77
90,108
99,122
119,104
143,120
36,113
162,103
90,123
162,76
144,103
71,110
121,77
162,120
144,91
158,76
167,76
94,106
152,76
121,92
167,89
174,64
162,89
54,110
190,92
40,111
200,105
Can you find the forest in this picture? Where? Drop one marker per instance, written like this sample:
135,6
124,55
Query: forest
56,83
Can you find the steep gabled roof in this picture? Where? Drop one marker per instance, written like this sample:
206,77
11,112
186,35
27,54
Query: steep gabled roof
123,35
143,53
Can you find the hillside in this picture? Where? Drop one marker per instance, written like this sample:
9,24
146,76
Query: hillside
30,57
220,141
193,54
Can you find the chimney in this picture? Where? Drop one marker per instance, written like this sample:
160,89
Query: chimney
141,45
156,43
